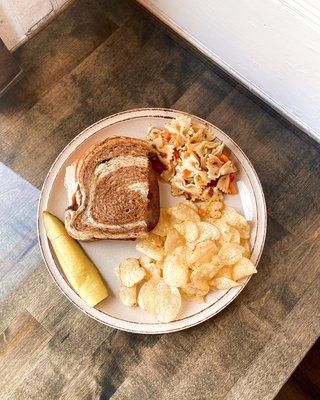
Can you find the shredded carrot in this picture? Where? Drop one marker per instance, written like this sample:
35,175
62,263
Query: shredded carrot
176,154
166,135
224,158
232,188
186,173
201,212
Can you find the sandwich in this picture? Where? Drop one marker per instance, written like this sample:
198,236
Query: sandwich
112,191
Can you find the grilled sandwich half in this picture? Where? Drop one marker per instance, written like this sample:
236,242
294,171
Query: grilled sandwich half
113,191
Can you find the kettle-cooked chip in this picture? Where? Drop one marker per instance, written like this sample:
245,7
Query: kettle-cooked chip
201,284
173,240
155,240
223,283
164,224
224,229
188,229
207,218
243,268
194,298
233,218
190,289
128,295
152,267
191,293
175,269
226,272
230,253
168,302
151,246
235,235
130,272
246,245
201,276
190,204
214,209
192,250
182,212
202,253
147,297
207,231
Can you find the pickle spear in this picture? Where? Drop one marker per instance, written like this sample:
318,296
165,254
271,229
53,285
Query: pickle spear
80,271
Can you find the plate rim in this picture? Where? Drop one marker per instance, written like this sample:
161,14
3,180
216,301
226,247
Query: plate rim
162,328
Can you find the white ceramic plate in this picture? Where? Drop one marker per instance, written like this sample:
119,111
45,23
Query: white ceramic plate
106,254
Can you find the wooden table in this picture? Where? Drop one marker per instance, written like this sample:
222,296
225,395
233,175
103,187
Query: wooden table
95,59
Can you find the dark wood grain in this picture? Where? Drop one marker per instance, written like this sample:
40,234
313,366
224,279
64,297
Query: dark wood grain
9,68
101,57
19,344
304,384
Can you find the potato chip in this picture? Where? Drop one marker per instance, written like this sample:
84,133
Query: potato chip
128,295
173,240
235,235
230,253
224,229
214,209
190,289
191,293
207,231
207,218
175,269
233,218
216,260
242,281
243,268
130,272
151,246
194,248
160,265
202,253
155,240
226,272
246,245
190,204
182,212
194,298
168,302
201,276
164,224
215,215
201,284
147,297
152,267
223,283
188,229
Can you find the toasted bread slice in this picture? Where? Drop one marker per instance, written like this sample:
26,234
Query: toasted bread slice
113,191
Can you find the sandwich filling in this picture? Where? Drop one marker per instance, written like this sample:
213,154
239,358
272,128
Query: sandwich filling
73,188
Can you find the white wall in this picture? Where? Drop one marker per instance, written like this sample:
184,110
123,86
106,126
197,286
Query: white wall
271,46
19,19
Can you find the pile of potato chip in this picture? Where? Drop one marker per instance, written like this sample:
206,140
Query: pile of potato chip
195,248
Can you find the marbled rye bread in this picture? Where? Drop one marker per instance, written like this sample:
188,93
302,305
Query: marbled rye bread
116,194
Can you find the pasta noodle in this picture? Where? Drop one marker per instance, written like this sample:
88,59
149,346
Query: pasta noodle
194,161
